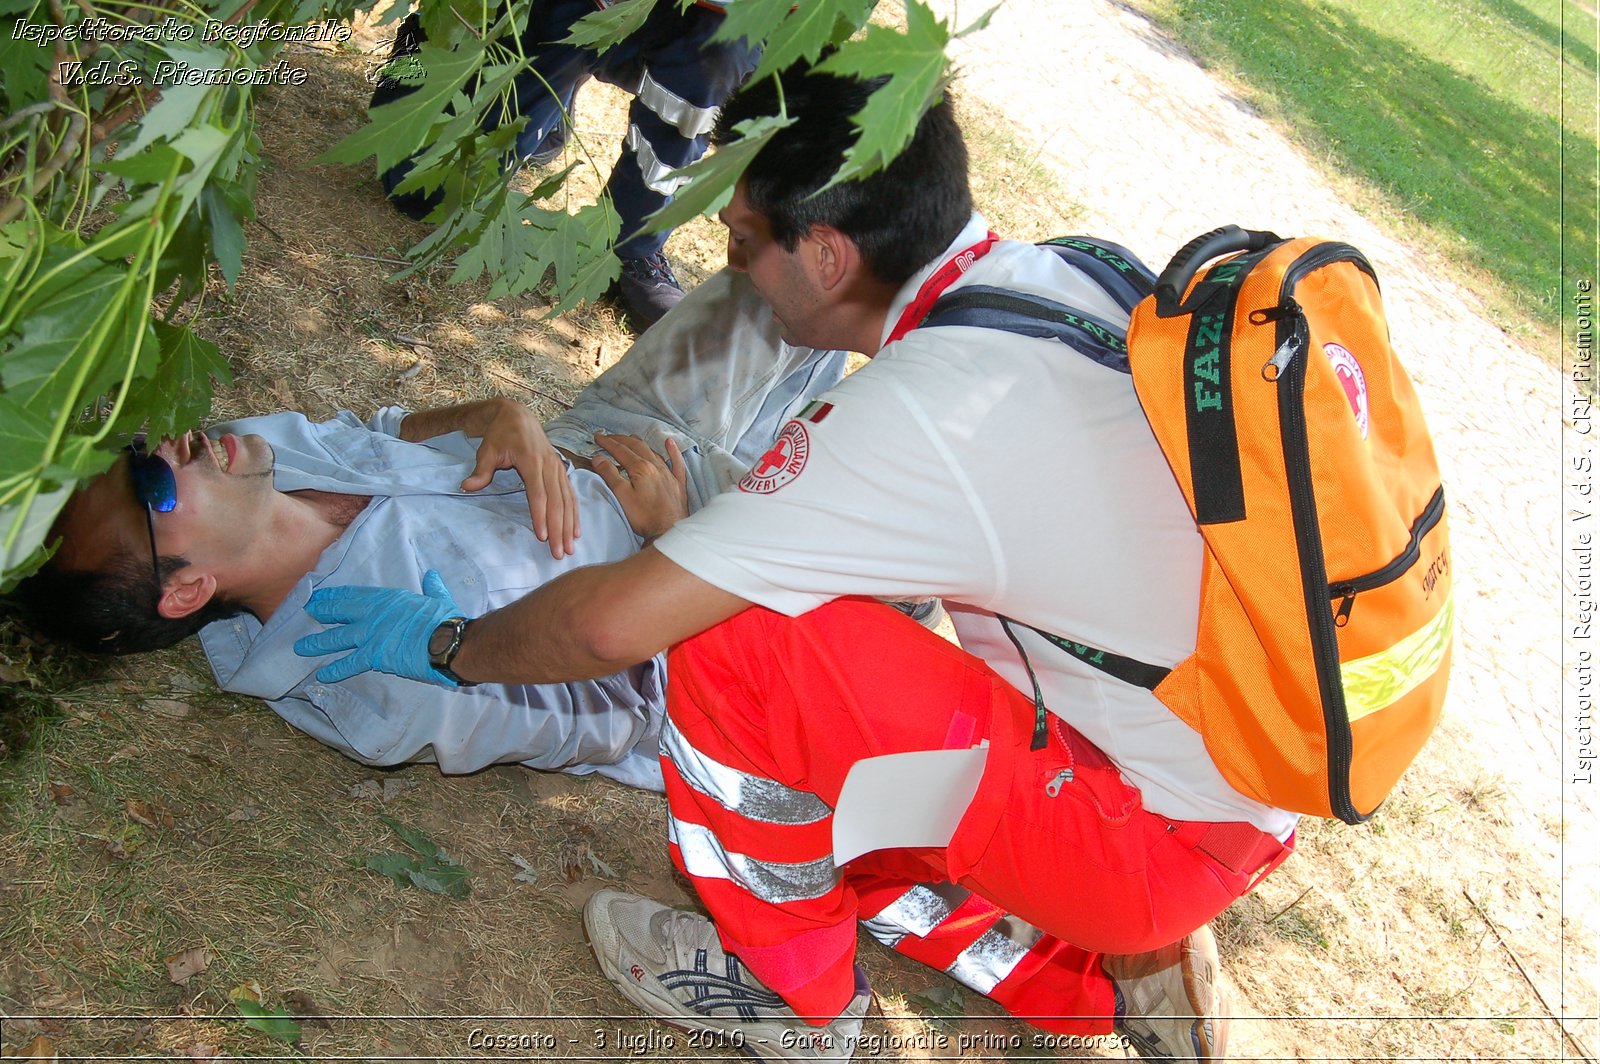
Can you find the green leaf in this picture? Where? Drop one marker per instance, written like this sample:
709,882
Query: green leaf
175,112
940,1005
19,565
502,220
431,870
396,129
600,30
149,167
55,342
24,437
446,877
792,32
221,202
979,23
944,1000
918,72
26,63
183,379
274,1023
413,838
584,264
713,176
394,865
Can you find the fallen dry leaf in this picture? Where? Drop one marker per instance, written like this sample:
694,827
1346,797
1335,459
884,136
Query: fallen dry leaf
169,707
249,990
527,873
60,999
181,967
40,1048
151,816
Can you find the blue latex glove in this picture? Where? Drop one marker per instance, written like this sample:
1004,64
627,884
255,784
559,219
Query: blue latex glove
386,628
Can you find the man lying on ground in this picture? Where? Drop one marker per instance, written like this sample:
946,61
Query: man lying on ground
249,518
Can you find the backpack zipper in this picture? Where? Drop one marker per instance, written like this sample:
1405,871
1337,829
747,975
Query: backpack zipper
1291,381
1347,590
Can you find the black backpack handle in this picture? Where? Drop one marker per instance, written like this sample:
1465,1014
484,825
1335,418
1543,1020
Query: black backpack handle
1224,240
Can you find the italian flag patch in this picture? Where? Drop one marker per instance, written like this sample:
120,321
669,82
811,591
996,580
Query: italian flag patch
815,411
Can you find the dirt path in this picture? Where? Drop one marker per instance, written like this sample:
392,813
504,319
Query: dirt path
1157,151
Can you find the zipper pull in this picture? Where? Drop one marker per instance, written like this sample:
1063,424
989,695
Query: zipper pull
1292,344
1280,359
1342,617
1053,788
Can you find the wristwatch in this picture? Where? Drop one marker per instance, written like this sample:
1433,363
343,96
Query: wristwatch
443,646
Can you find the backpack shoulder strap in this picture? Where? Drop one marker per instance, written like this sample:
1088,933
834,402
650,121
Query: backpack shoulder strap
983,307
1111,266
1128,281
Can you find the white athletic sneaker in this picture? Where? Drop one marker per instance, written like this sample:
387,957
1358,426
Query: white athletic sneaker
1171,1001
671,964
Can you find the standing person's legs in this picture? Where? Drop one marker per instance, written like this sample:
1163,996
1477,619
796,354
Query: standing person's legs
544,94
679,78
714,375
684,80
766,716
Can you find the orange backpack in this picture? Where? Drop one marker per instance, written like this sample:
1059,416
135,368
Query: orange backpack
1326,614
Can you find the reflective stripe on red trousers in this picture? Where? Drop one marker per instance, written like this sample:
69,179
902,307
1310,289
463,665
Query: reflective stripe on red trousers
783,707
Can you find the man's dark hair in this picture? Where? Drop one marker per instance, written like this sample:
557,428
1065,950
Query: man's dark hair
112,610
900,218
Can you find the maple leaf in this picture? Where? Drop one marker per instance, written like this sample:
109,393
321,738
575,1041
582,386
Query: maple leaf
793,32
397,128
918,71
600,30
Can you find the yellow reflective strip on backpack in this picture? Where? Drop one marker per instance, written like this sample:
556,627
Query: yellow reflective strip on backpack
1382,679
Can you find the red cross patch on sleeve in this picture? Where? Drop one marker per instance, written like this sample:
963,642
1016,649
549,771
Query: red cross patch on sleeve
783,462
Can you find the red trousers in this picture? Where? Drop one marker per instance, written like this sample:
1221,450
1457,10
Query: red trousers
767,714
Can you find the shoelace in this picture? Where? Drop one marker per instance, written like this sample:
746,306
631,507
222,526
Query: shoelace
710,991
653,268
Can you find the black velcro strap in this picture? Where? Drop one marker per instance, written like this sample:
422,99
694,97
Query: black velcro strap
1213,436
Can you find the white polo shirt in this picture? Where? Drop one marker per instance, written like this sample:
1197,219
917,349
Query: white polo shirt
1007,475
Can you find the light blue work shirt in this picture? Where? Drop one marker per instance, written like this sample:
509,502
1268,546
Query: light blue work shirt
483,545
714,376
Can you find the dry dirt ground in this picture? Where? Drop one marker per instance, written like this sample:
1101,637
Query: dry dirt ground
158,817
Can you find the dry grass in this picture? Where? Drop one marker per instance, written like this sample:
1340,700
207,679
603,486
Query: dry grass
154,815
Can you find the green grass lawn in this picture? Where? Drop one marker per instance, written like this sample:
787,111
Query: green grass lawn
1475,118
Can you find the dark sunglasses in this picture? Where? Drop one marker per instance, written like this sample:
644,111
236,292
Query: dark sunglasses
156,489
